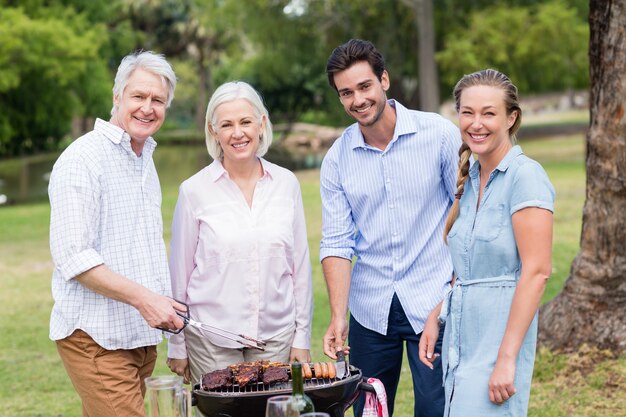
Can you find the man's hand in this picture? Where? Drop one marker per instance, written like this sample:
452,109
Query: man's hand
335,338
299,355
160,311
180,367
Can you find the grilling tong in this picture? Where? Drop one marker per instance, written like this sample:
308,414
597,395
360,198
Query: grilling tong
242,339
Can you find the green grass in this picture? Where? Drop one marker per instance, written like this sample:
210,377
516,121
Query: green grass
34,383
579,116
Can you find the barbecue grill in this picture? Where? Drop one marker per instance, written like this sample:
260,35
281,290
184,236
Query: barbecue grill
333,396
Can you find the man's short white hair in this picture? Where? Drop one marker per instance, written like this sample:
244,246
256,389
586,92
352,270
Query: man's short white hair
149,61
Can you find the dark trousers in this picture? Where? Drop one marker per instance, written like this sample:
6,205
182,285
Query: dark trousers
380,356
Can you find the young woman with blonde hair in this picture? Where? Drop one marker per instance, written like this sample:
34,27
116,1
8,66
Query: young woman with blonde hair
499,231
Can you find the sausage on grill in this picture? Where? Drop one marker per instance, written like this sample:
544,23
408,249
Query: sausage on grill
306,371
317,369
324,370
332,372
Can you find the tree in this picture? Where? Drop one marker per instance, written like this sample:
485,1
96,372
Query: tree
591,307
45,62
554,46
538,46
428,80
489,39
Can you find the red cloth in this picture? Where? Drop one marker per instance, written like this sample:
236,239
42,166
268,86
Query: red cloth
376,404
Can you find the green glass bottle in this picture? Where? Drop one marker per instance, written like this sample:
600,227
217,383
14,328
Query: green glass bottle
305,404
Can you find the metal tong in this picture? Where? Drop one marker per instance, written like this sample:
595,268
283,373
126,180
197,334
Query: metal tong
242,339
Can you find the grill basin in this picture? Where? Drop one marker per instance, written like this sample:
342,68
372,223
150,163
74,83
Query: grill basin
333,396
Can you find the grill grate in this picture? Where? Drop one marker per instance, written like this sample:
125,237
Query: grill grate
275,386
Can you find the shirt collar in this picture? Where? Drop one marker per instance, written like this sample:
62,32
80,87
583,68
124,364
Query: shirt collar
268,168
401,128
514,152
217,170
118,136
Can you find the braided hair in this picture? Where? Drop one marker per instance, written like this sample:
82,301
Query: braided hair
462,173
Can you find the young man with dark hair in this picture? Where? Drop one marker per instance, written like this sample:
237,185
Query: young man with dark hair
386,184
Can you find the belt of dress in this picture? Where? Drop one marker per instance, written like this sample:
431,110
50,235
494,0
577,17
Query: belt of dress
451,314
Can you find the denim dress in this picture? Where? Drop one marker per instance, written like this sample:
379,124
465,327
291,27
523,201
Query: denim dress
487,266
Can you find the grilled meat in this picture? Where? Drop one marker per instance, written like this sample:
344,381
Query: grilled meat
275,374
221,378
248,374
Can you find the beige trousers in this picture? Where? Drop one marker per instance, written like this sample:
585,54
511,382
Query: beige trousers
109,382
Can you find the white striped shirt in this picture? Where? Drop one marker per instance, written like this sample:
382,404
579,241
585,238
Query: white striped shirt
388,209
105,209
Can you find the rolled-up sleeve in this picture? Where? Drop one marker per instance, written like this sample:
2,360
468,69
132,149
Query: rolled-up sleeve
185,233
338,227
532,188
74,216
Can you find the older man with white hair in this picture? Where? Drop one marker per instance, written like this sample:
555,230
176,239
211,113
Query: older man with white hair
111,283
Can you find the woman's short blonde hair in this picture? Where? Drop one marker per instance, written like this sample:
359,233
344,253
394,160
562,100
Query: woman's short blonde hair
231,91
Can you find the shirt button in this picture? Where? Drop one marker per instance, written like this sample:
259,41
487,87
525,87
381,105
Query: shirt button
391,206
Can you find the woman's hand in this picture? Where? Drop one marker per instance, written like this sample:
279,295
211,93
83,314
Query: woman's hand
180,367
299,355
428,340
501,386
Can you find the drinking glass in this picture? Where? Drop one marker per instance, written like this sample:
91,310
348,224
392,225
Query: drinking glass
281,406
166,397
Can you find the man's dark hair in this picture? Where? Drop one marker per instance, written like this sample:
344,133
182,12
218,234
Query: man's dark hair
351,52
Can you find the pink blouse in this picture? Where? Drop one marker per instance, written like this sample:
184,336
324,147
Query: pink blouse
243,269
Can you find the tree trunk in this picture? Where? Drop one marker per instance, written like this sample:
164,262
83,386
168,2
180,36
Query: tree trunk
592,307
428,85
428,80
204,84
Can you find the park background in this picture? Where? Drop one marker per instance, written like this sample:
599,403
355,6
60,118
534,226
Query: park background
57,60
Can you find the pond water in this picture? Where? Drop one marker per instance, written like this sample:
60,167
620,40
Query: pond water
26,179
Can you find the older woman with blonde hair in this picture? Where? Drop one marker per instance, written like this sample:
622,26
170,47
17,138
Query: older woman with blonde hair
239,254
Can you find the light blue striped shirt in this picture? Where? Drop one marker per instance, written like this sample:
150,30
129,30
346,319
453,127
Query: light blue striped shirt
388,209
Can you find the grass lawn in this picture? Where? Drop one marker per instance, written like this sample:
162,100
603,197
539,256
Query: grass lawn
34,383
